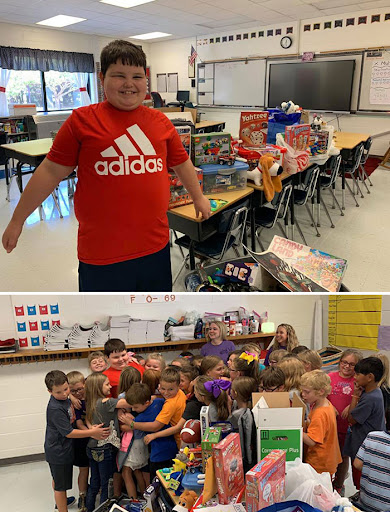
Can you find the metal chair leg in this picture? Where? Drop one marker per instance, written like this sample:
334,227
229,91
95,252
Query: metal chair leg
312,219
363,177
366,175
180,247
336,202
356,183
180,270
352,194
300,231
282,229
56,202
327,213
257,233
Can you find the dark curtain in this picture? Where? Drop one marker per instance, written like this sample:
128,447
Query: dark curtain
45,60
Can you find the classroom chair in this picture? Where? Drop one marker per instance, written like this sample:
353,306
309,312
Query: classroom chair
363,174
327,182
351,168
267,216
231,229
158,102
304,192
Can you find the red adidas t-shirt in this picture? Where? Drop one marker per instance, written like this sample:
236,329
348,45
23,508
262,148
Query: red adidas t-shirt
114,376
122,193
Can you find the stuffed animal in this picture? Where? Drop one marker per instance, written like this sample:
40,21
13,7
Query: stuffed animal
289,107
267,173
186,501
316,125
343,505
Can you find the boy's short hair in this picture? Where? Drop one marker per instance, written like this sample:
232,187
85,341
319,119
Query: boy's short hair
311,357
317,380
124,51
113,345
277,355
96,354
299,349
55,378
75,377
272,377
370,365
190,371
171,375
139,357
139,393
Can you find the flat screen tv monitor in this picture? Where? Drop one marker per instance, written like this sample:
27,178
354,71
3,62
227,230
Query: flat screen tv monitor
312,85
183,96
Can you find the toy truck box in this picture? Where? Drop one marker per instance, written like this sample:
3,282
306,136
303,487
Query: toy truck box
298,136
265,482
179,195
229,471
224,178
211,437
207,148
185,137
254,129
279,425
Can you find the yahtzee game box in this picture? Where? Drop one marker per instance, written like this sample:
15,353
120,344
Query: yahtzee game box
253,129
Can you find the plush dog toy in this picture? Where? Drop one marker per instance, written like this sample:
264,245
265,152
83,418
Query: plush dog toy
186,501
289,107
267,173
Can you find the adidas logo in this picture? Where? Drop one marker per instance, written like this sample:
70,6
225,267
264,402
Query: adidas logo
131,144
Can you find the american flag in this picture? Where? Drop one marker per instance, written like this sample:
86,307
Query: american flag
193,55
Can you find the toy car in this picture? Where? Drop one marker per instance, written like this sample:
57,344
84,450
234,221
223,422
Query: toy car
193,464
228,159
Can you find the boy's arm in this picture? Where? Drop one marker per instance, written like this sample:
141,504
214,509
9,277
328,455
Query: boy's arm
354,402
81,425
98,432
187,175
307,440
42,183
358,464
145,426
166,432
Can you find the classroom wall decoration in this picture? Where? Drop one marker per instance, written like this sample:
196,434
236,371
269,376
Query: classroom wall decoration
33,321
354,321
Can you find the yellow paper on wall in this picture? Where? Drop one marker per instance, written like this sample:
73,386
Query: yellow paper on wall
354,320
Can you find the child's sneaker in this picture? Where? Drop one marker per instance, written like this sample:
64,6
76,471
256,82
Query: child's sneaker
69,501
81,504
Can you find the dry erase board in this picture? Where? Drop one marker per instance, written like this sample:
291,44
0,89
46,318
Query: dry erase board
239,83
375,82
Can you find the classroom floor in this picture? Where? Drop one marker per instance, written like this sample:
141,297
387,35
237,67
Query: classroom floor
45,258
28,487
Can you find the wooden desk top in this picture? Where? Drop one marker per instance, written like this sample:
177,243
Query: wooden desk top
171,494
38,147
349,140
206,124
188,211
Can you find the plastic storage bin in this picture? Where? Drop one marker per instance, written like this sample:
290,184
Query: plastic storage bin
224,178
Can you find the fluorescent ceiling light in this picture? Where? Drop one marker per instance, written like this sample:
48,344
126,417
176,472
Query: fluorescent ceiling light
60,21
126,4
150,35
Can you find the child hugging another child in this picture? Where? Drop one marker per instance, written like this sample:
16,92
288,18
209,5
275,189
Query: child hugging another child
214,394
320,438
97,361
152,379
102,454
156,362
285,339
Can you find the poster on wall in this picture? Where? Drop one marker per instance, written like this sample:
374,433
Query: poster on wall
380,82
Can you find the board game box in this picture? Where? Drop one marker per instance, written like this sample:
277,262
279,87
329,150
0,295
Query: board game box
298,136
229,471
254,129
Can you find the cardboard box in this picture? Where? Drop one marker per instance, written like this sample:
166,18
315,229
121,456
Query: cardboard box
179,194
254,129
211,438
298,136
265,482
319,142
279,426
208,147
229,471
27,109
185,137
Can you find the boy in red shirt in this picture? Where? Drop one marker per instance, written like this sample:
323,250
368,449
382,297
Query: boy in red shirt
118,359
122,151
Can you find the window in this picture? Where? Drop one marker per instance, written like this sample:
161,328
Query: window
50,91
26,87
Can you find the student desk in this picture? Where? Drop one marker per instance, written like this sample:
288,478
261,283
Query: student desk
209,126
31,152
183,219
169,492
346,142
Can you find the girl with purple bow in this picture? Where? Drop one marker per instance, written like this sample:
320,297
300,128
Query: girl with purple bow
214,394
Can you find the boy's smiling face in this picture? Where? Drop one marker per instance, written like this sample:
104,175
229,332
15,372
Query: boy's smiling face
168,389
125,86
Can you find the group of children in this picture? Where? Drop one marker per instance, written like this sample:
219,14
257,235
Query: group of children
124,420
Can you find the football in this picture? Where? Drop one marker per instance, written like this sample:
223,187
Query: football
190,432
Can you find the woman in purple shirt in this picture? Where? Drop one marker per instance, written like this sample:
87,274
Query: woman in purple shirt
217,344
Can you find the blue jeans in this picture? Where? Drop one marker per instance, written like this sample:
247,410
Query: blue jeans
103,466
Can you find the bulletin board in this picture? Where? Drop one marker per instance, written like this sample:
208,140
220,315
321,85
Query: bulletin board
375,81
354,321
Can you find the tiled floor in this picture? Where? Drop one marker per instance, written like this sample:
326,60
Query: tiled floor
45,259
27,487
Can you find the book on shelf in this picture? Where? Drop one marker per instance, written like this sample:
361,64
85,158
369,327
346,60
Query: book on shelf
299,268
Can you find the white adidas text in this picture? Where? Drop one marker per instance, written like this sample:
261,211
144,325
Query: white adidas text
123,167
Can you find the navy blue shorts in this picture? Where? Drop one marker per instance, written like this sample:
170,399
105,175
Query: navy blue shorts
62,476
151,273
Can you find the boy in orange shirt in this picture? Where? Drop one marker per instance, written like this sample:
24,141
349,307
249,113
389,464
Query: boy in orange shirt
320,438
173,408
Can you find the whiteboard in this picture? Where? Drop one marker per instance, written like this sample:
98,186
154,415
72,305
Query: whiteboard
375,84
240,83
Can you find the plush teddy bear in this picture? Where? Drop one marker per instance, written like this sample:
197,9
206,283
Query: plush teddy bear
289,107
186,501
268,174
